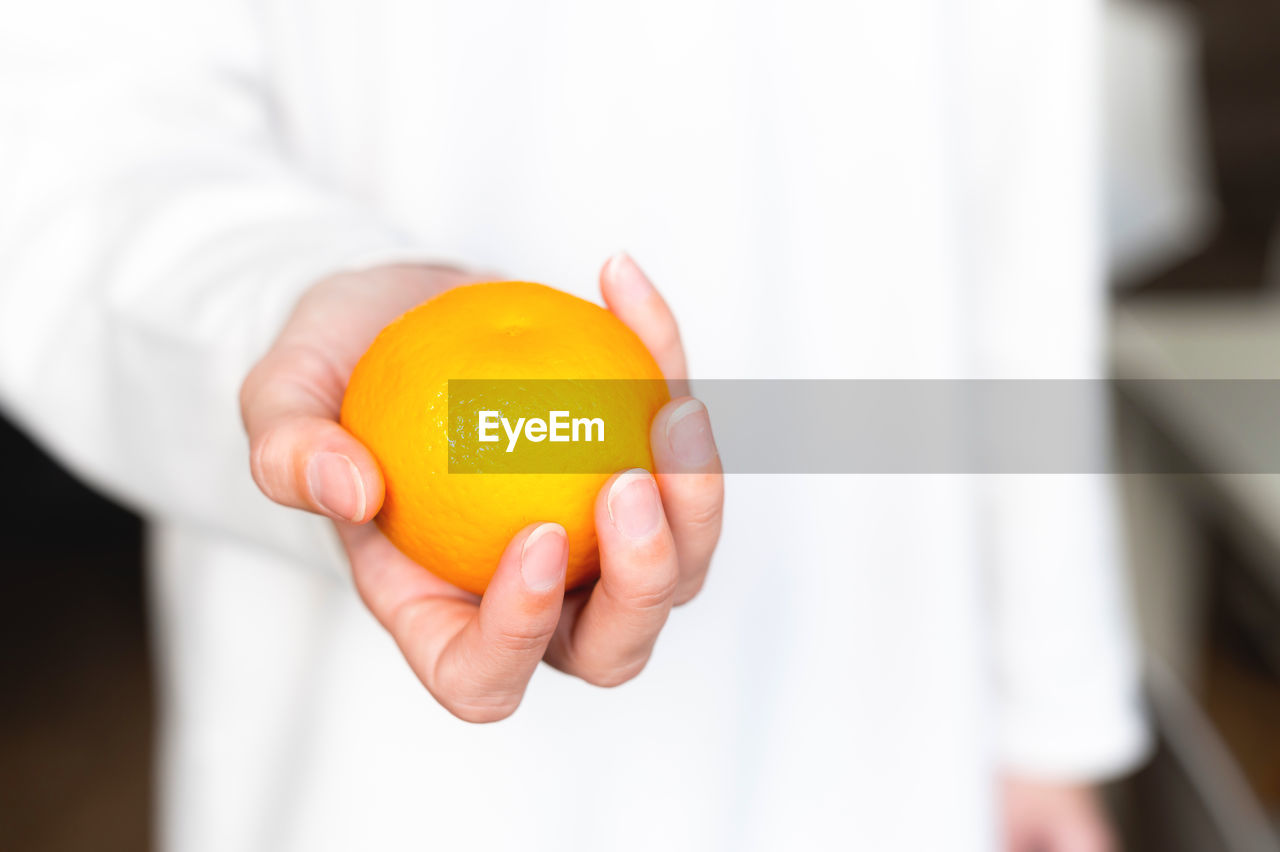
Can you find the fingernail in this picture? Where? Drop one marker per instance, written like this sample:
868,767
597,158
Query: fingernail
689,434
634,505
631,282
336,485
542,559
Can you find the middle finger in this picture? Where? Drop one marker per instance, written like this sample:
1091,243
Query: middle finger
610,637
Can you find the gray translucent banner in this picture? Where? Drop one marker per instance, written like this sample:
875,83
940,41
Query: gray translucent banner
855,426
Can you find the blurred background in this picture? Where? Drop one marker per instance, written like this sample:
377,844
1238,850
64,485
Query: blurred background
1193,193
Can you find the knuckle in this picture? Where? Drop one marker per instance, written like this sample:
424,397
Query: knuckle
703,514
406,620
610,677
519,641
517,634
645,577
645,600
649,558
646,593
689,589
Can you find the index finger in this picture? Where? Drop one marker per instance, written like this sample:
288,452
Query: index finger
299,454
633,299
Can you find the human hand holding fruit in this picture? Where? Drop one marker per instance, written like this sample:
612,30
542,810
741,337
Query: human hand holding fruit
476,655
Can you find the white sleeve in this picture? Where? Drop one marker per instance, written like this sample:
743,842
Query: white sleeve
1066,665
153,236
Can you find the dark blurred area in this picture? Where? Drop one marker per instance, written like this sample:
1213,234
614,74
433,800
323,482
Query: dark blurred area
76,707
76,711
1206,547
1237,83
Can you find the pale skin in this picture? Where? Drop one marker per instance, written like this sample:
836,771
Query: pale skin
1053,816
657,531
476,655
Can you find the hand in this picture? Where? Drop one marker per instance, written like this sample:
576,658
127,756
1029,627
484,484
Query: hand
1042,816
476,655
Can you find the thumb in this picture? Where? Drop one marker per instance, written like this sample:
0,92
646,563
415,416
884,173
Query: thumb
482,674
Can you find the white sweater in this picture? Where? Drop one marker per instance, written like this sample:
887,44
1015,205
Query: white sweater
852,189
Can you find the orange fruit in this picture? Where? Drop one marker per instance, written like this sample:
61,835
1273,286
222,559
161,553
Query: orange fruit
517,348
